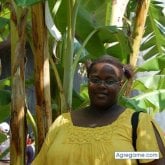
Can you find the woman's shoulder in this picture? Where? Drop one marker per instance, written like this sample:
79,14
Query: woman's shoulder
126,114
145,118
61,120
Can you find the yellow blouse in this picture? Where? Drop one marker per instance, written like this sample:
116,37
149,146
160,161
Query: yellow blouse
67,144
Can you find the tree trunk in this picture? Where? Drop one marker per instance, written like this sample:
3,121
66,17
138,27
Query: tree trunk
141,15
42,80
18,110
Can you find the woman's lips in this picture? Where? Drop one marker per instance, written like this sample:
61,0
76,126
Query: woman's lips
101,95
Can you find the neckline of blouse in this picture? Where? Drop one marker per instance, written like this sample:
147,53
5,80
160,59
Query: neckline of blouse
119,118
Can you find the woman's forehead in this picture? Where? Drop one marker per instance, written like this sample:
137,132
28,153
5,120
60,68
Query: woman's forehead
106,68
105,65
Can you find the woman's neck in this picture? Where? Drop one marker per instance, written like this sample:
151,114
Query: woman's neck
101,111
93,117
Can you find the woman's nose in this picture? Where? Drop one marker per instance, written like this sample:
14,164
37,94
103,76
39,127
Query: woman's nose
102,83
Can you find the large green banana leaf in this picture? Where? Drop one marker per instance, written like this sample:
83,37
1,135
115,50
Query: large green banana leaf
149,83
155,63
154,36
150,93
92,15
154,100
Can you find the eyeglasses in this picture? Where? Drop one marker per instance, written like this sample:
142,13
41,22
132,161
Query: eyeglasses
108,82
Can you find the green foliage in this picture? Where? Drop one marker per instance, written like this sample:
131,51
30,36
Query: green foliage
5,97
93,16
84,91
77,100
94,37
4,153
4,24
4,112
2,138
154,40
155,63
150,100
149,83
151,93
25,3
116,42
5,83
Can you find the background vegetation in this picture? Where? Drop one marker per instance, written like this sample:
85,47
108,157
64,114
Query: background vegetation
63,36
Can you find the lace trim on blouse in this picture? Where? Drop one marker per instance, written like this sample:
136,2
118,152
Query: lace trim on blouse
81,135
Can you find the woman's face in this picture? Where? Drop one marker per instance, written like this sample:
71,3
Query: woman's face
104,85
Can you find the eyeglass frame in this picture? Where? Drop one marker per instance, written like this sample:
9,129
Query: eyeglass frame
102,81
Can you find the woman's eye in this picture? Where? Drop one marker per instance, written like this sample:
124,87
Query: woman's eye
95,80
109,82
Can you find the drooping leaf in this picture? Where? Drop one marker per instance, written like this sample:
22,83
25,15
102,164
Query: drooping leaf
154,37
156,63
84,26
50,24
149,83
154,100
121,47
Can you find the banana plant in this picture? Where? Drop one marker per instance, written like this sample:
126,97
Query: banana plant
97,24
85,30
127,42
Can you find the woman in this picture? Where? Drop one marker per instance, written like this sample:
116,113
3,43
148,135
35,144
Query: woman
92,135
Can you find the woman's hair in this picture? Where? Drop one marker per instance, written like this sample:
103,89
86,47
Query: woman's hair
127,70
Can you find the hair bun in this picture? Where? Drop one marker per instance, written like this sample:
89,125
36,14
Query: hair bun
128,71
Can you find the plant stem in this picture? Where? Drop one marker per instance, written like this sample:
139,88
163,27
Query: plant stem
141,15
68,57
